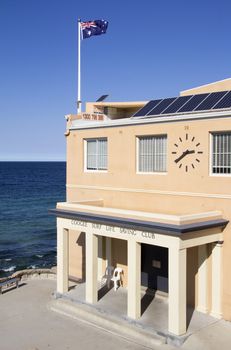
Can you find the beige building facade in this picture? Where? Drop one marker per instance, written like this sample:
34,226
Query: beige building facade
151,194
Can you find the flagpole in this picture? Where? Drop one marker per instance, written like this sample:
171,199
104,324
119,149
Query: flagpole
79,71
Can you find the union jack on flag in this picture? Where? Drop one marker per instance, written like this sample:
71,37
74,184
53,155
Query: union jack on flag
97,27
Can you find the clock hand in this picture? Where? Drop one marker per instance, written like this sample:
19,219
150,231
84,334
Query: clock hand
184,154
181,157
190,152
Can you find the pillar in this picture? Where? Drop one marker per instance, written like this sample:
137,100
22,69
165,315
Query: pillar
202,304
177,291
134,276
62,259
216,310
91,268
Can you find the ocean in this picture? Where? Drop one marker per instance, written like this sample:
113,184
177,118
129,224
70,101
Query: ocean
27,231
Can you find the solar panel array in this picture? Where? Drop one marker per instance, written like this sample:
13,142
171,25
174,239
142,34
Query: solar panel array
182,104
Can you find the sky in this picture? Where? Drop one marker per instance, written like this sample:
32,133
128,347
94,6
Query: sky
151,49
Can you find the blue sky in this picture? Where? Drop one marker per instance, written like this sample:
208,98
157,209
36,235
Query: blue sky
152,49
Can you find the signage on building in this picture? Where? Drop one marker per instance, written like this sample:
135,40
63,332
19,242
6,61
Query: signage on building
93,116
112,230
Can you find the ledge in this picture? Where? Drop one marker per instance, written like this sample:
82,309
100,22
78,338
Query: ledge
150,226
97,207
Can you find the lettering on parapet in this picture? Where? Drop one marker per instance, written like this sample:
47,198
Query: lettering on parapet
79,223
96,226
148,234
123,231
110,228
128,231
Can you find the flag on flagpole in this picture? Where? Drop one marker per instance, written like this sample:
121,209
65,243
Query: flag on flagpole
97,27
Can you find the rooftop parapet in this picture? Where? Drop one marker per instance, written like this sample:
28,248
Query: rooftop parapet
103,111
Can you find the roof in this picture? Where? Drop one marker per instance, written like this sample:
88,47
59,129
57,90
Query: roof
220,85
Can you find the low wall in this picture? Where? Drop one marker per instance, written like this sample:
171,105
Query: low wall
33,274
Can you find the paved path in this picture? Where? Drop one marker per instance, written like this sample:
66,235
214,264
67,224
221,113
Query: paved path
26,323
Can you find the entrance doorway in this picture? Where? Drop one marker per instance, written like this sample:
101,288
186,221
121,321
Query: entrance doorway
154,267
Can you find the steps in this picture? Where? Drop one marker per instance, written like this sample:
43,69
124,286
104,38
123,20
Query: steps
124,328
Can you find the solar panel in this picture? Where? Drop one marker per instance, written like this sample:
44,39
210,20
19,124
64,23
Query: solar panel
161,106
192,103
178,103
144,110
210,101
189,103
102,98
225,102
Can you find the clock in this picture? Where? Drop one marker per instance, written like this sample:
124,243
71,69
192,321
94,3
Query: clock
187,152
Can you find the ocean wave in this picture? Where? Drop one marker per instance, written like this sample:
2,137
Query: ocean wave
8,259
32,267
39,255
10,269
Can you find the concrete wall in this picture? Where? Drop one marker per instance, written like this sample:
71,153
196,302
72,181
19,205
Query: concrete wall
192,257
77,254
92,107
222,85
174,192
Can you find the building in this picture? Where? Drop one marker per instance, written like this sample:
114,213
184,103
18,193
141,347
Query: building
149,190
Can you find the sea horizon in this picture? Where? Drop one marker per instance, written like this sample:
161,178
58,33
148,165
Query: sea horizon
22,161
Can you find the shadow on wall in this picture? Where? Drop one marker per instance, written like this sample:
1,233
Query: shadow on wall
119,257
81,242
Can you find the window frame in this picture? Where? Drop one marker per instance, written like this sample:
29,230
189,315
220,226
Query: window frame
212,133
138,137
85,155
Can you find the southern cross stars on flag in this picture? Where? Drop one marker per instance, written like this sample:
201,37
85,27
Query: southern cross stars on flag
97,27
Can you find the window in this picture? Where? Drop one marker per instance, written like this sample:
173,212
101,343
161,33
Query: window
221,153
96,154
152,155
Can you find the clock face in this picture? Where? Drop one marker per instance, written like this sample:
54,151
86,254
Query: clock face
187,152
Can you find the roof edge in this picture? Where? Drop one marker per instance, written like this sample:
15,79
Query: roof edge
162,228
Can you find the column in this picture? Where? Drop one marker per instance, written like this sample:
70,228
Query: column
108,251
62,259
177,291
91,268
134,276
216,310
202,304
100,258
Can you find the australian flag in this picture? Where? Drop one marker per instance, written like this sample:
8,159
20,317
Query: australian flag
97,27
